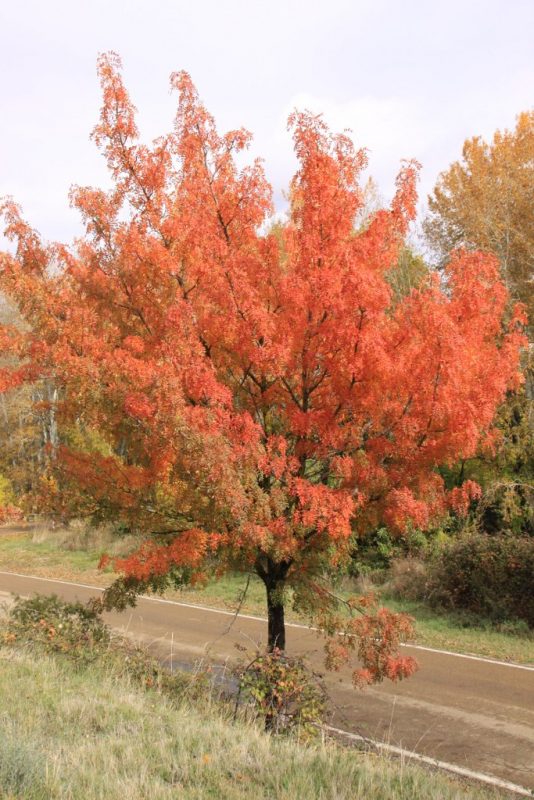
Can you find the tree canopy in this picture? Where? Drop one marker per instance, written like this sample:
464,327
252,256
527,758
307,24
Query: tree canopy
249,396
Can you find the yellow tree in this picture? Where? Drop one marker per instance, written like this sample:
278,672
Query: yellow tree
485,200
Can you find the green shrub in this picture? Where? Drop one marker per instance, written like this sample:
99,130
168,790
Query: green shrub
377,551
488,575
74,629
284,693
373,553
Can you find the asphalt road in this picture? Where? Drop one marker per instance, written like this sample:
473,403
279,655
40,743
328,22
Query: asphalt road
466,711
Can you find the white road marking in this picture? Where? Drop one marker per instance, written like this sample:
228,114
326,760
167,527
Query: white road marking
434,762
212,610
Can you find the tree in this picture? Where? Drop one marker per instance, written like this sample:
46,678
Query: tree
251,399
410,270
21,427
506,474
485,201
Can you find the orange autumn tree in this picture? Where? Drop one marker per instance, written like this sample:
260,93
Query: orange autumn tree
246,396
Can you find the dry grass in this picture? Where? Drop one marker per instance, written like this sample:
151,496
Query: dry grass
80,536
83,734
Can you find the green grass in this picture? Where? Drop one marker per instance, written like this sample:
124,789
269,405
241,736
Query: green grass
47,557
88,733
20,550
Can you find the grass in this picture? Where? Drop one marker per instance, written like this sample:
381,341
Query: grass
18,553
71,732
50,554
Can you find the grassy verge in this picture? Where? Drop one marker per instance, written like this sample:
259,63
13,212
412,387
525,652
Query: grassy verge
72,731
19,552
44,554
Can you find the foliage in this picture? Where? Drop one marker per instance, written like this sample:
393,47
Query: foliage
6,492
410,272
508,502
8,510
263,394
27,421
284,693
485,201
374,634
374,552
73,629
378,551
489,575
505,473
507,507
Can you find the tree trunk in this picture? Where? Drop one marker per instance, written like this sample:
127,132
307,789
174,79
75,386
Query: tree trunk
274,576
276,636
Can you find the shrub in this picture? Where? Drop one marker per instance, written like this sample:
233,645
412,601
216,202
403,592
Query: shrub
489,575
77,632
283,692
378,551
407,579
74,629
373,553
129,660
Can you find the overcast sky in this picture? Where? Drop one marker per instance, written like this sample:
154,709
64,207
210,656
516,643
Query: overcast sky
411,78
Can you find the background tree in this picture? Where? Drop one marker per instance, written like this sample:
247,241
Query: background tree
485,200
408,273
22,423
247,399
410,270
505,472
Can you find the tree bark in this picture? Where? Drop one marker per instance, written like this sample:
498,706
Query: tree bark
274,576
276,636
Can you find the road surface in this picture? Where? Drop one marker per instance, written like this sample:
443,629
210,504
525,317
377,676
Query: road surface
465,711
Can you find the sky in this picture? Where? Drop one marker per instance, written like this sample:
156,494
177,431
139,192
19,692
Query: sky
410,78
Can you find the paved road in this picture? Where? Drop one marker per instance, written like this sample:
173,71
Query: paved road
468,712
